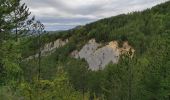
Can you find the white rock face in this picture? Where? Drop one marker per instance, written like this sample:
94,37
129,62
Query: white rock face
98,58
88,49
49,48
53,45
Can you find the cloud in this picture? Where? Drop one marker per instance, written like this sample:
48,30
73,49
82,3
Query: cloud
66,14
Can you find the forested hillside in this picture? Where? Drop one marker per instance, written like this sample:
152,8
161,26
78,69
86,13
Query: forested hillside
59,76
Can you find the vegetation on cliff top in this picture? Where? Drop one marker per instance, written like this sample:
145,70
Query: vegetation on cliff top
145,77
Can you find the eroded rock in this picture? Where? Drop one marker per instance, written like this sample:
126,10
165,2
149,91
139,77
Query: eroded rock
49,48
98,57
127,50
53,45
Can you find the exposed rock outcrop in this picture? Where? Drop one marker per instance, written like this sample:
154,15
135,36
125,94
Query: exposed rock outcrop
53,45
50,48
127,50
98,58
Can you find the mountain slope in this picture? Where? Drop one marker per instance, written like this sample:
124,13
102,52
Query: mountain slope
144,77
134,26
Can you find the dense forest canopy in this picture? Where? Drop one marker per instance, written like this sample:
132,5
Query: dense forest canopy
61,77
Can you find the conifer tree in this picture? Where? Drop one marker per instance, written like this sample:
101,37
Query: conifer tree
12,17
12,12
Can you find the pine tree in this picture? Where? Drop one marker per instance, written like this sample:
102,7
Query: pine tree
12,12
12,17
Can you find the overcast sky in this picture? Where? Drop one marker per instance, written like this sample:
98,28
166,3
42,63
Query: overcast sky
66,14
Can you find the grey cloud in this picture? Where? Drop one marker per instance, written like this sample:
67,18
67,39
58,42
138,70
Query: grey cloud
71,12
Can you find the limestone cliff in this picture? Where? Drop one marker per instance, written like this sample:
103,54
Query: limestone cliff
50,48
98,57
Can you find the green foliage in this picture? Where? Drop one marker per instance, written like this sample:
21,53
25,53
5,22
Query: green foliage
11,14
6,93
9,60
57,89
145,77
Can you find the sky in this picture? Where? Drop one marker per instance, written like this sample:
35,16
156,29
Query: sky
66,14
